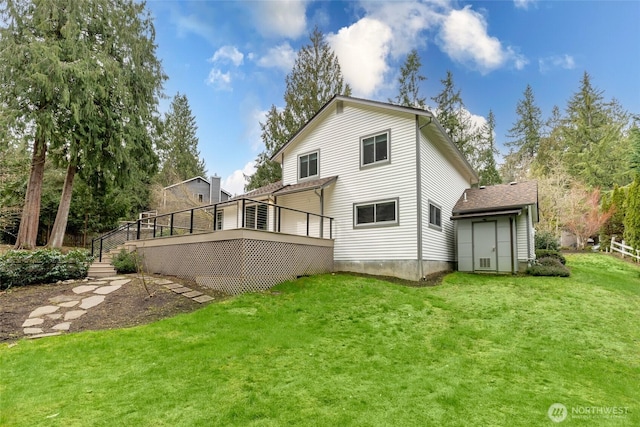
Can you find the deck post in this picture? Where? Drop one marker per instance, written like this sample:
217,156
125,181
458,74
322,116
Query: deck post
155,219
215,217
243,207
191,223
171,226
138,223
100,256
307,224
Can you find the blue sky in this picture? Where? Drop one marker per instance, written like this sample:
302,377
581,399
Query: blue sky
231,58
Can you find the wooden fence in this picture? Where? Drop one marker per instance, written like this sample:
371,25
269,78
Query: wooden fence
625,249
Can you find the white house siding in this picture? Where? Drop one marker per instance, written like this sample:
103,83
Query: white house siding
523,240
296,222
442,184
465,245
337,137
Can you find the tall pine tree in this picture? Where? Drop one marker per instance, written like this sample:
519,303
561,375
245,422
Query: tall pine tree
487,170
456,120
526,131
315,78
179,153
90,91
409,83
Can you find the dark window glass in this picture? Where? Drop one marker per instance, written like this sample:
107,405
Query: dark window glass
381,147
308,165
365,214
313,164
368,151
434,215
386,211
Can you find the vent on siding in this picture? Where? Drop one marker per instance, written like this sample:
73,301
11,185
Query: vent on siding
339,107
485,262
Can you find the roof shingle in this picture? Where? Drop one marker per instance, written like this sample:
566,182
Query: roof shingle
497,197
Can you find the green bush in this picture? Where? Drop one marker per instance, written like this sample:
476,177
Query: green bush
546,240
544,253
125,262
548,266
21,267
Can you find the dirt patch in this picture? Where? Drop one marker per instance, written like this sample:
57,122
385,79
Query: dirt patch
434,279
128,306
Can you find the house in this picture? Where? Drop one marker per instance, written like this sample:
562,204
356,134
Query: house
494,227
387,175
196,190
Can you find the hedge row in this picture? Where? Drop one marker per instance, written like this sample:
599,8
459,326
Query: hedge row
20,268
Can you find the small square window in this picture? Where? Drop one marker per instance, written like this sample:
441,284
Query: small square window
435,216
308,165
376,213
375,149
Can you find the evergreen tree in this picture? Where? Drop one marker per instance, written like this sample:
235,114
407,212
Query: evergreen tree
527,129
89,90
456,120
488,171
632,217
409,83
551,145
634,138
596,151
179,144
615,225
315,78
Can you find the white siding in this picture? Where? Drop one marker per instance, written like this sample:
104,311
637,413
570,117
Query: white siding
523,240
443,184
293,222
337,137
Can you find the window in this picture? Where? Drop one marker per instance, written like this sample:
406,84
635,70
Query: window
256,217
376,213
374,149
435,216
308,165
219,220
200,198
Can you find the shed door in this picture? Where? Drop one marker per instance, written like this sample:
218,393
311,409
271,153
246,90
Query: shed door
484,246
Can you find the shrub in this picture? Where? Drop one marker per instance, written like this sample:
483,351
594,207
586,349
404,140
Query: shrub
21,267
543,253
125,262
548,266
546,240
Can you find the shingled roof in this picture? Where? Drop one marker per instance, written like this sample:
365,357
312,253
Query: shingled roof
496,198
277,189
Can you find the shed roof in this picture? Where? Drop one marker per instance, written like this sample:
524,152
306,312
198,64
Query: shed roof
497,197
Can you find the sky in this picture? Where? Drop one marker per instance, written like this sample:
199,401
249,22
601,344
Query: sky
231,58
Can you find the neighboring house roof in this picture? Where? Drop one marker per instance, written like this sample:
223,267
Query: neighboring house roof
436,132
186,181
193,179
496,199
277,189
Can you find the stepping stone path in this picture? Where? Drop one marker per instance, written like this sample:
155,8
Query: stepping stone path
86,296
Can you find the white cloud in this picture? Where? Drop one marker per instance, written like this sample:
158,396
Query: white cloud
192,24
219,80
228,54
280,18
523,4
282,56
235,182
566,62
464,38
253,131
362,49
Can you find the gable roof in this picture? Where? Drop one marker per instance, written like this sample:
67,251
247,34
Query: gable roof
435,132
186,181
497,198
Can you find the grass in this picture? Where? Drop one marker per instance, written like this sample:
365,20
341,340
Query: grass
343,350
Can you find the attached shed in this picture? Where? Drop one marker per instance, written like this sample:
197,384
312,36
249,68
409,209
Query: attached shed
495,227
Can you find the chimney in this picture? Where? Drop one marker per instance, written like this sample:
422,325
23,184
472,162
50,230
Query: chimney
214,189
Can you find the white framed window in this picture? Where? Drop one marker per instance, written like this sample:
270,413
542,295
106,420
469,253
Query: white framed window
219,220
435,216
256,217
375,149
308,165
375,214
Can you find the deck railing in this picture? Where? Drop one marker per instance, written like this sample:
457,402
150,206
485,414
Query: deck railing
229,215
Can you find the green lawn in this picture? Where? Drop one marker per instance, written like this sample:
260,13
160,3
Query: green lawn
338,350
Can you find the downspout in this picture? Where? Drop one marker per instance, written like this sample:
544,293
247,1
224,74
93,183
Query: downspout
419,194
528,234
513,254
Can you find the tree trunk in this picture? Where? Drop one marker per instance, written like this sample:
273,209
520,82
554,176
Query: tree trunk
60,224
28,231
